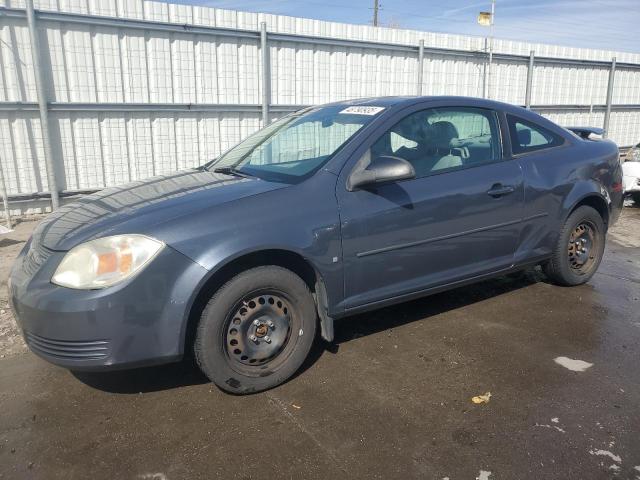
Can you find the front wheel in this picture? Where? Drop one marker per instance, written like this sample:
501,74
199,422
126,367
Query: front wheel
579,249
256,330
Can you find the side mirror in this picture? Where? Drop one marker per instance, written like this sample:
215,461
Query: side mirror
381,170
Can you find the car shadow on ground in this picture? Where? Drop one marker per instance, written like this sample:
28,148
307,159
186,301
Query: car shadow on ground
394,316
144,380
186,373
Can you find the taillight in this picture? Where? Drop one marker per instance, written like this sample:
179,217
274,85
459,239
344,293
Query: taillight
616,187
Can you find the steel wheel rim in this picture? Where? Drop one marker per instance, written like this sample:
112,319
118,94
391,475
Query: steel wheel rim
583,247
258,330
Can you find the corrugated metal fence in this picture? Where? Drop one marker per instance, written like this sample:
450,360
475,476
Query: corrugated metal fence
137,88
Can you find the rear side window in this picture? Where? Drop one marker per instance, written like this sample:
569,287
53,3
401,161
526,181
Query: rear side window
530,137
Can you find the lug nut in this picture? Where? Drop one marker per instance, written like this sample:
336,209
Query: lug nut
267,338
270,323
256,322
253,338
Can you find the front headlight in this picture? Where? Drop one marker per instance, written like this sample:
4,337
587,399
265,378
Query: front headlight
106,261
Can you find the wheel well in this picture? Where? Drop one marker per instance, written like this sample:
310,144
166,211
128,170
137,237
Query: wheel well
598,204
281,258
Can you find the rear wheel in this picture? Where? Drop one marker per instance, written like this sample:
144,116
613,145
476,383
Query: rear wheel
636,198
256,330
579,249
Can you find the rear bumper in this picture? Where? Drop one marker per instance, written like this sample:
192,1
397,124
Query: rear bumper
615,208
141,321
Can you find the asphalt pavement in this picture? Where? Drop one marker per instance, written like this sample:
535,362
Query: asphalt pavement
390,398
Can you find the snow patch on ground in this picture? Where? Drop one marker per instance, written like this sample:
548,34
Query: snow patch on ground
573,365
555,427
606,453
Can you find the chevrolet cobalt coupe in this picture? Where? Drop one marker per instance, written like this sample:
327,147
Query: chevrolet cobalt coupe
327,212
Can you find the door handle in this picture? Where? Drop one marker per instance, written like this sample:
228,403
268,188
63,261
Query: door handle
498,190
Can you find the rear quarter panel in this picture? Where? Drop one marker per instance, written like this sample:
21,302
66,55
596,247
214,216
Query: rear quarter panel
558,179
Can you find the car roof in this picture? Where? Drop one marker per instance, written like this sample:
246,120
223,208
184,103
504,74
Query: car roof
408,100
388,101
398,102
377,101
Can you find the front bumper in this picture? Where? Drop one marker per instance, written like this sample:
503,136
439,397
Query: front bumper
140,321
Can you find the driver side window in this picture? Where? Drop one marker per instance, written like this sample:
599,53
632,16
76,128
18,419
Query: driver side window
438,140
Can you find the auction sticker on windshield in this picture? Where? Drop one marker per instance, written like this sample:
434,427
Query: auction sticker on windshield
362,110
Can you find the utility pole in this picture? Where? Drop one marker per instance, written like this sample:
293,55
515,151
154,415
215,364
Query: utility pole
486,19
376,7
493,14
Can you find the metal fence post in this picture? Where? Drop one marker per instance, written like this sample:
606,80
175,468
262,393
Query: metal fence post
420,66
5,198
42,105
527,95
607,112
484,72
266,74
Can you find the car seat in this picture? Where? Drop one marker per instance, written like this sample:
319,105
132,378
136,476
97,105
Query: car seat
443,134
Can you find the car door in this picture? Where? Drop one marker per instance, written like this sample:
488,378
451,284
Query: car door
459,218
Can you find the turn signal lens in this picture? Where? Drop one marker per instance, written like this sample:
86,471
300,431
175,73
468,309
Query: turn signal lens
106,261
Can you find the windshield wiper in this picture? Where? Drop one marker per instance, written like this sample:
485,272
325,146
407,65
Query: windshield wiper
231,171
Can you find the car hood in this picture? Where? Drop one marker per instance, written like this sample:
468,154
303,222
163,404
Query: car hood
137,207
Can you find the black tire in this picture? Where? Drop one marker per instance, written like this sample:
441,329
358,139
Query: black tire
579,249
636,198
241,356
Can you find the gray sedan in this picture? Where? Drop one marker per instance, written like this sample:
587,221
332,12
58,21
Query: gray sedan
327,212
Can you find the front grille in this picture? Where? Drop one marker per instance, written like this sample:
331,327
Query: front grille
68,350
35,257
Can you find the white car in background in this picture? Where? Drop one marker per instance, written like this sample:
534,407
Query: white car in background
631,172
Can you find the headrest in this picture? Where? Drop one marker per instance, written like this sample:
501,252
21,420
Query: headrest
442,133
413,127
524,137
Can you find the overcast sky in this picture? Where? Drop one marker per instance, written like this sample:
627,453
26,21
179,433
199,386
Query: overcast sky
604,24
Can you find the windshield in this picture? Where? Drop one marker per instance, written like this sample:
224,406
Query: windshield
296,146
